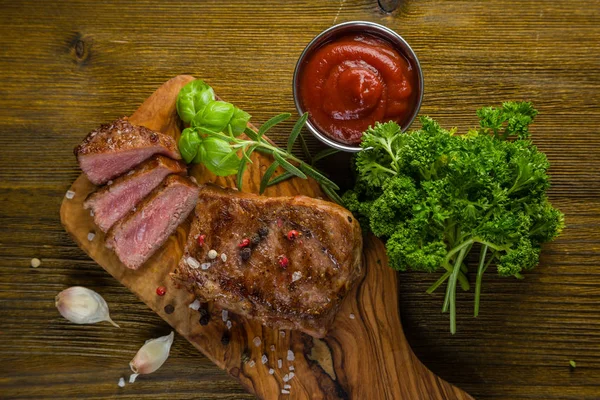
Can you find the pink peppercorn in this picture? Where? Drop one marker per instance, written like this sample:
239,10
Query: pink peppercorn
244,243
293,234
283,261
161,290
201,239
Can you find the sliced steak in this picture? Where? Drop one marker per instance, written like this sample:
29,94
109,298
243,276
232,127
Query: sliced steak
112,202
285,261
115,148
137,236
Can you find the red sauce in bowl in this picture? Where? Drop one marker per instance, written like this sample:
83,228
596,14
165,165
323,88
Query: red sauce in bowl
354,81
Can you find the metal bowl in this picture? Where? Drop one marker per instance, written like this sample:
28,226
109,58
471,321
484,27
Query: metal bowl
347,28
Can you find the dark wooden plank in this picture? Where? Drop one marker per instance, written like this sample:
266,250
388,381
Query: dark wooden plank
473,53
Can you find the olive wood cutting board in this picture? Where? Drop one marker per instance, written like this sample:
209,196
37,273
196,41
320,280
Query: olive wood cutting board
365,356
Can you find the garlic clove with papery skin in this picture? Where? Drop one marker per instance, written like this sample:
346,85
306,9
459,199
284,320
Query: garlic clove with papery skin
152,355
81,305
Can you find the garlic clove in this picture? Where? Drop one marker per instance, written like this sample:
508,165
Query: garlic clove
133,377
81,305
152,355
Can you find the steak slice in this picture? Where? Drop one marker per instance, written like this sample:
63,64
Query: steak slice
302,258
137,236
112,202
115,148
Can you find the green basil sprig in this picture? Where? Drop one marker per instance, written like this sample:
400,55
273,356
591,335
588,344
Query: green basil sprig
192,98
213,140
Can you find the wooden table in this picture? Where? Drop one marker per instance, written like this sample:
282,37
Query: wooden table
67,67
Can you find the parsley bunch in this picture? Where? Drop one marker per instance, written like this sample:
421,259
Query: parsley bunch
434,196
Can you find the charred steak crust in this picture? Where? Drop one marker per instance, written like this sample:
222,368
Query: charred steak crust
112,202
121,134
148,226
286,261
115,148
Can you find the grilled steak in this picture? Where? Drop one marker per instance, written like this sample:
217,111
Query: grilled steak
137,236
112,202
115,148
285,261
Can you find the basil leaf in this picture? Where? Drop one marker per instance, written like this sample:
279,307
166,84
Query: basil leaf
192,98
214,116
188,144
239,121
219,157
292,169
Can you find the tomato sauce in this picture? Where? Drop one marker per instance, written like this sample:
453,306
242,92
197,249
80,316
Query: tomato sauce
354,81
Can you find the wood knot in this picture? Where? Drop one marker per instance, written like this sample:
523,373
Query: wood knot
388,6
79,48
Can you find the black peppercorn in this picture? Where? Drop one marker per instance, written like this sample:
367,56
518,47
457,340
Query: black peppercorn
263,231
169,308
245,253
225,339
204,316
255,240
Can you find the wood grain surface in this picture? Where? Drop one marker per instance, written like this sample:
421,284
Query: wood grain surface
365,354
68,66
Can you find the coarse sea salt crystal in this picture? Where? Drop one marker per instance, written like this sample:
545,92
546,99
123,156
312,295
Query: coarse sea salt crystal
256,341
224,257
282,333
109,183
130,172
271,371
296,275
133,377
279,363
228,324
352,316
292,368
283,391
264,359
205,266
290,356
272,347
70,194
121,382
225,315
192,262
251,363
286,386
291,375
91,236
286,378
195,305
91,213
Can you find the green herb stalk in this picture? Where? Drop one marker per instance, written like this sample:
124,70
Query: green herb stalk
433,196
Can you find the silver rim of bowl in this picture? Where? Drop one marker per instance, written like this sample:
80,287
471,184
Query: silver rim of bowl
354,26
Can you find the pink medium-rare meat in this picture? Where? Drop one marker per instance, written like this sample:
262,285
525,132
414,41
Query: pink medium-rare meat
115,148
285,261
141,232
112,202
